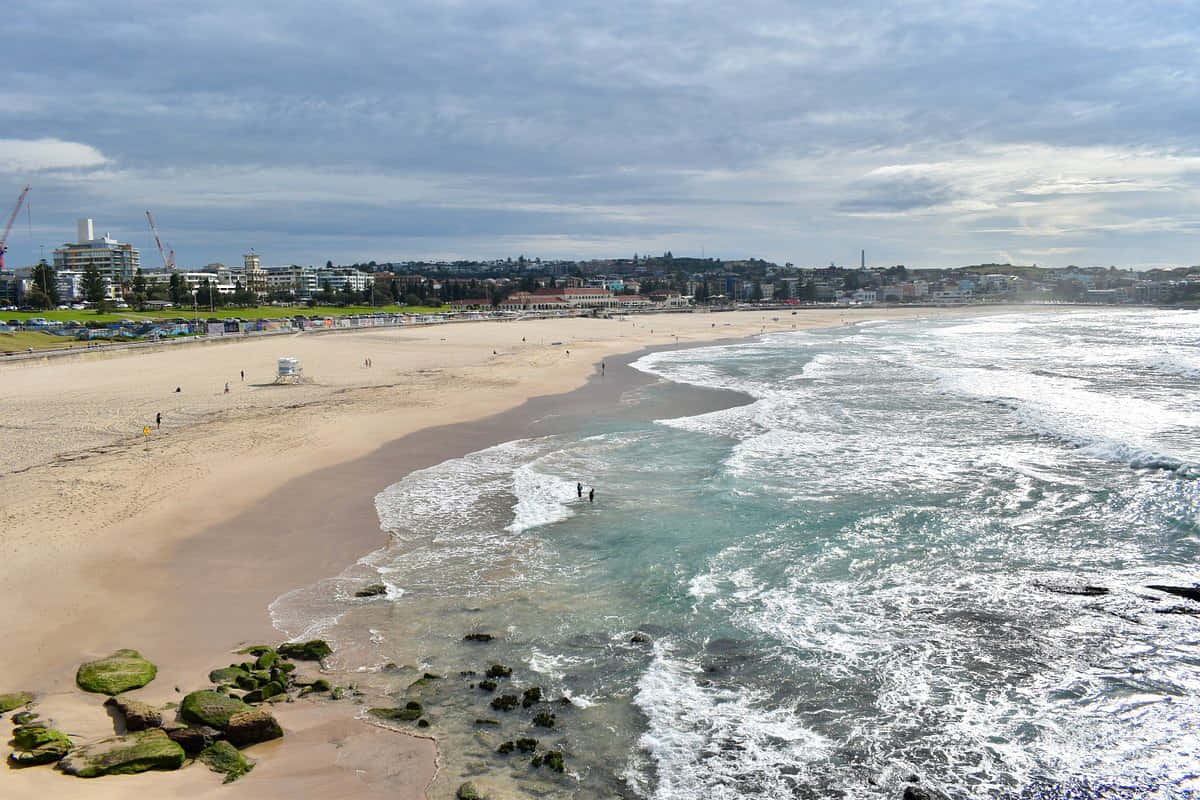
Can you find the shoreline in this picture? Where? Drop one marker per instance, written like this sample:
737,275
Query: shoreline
265,538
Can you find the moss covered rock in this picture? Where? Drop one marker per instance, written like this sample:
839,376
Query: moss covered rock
225,758
505,702
266,659
24,717
313,650
552,759
412,710
210,708
120,672
251,727
15,700
499,671
264,692
38,744
373,590
124,755
227,676
192,738
467,791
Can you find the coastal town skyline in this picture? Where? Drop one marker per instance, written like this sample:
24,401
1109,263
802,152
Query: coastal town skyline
935,134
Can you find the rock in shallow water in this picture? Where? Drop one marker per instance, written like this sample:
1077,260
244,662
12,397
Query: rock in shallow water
120,672
313,650
124,755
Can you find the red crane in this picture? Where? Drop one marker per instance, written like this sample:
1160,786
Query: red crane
168,261
11,218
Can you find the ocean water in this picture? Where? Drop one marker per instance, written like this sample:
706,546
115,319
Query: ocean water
918,548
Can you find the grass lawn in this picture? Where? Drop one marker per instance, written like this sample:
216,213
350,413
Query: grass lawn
260,312
14,342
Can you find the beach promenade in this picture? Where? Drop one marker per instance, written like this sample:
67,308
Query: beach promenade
174,543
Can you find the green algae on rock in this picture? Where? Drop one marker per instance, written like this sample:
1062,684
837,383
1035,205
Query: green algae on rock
313,650
225,758
38,744
15,700
227,675
210,708
412,710
124,755
467,791
119,672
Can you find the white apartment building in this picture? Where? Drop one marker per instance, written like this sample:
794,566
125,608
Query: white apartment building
116,261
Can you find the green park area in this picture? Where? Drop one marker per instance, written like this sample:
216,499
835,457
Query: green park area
23,340
257,312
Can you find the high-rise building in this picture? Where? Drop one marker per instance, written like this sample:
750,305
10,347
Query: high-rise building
254,275
116,261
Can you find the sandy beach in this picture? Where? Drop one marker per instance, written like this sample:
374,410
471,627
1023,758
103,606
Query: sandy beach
174,543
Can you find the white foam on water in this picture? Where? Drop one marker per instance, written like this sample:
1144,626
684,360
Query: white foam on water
715,741
541,499
1117,428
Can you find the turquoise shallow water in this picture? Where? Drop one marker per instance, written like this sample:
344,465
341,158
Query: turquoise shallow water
874,568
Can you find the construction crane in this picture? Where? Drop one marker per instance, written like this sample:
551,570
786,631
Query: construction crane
11,219
168,260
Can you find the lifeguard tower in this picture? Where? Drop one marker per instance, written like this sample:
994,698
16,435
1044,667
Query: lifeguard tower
289,370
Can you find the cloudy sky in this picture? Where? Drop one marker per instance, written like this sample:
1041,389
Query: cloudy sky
928,132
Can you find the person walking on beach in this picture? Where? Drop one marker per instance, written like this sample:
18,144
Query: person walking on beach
601,367
226,387
158,420
592,495
579,490
243,376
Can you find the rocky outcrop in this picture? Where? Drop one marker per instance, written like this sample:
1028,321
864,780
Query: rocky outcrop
478,637
224,758
15,700
124,755
313,650
373,590
192,738
921,792
251,727
38,744
505,702
1186,592
210,708
120,672
138,716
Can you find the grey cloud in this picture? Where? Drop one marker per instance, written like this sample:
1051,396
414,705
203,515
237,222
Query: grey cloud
543,103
